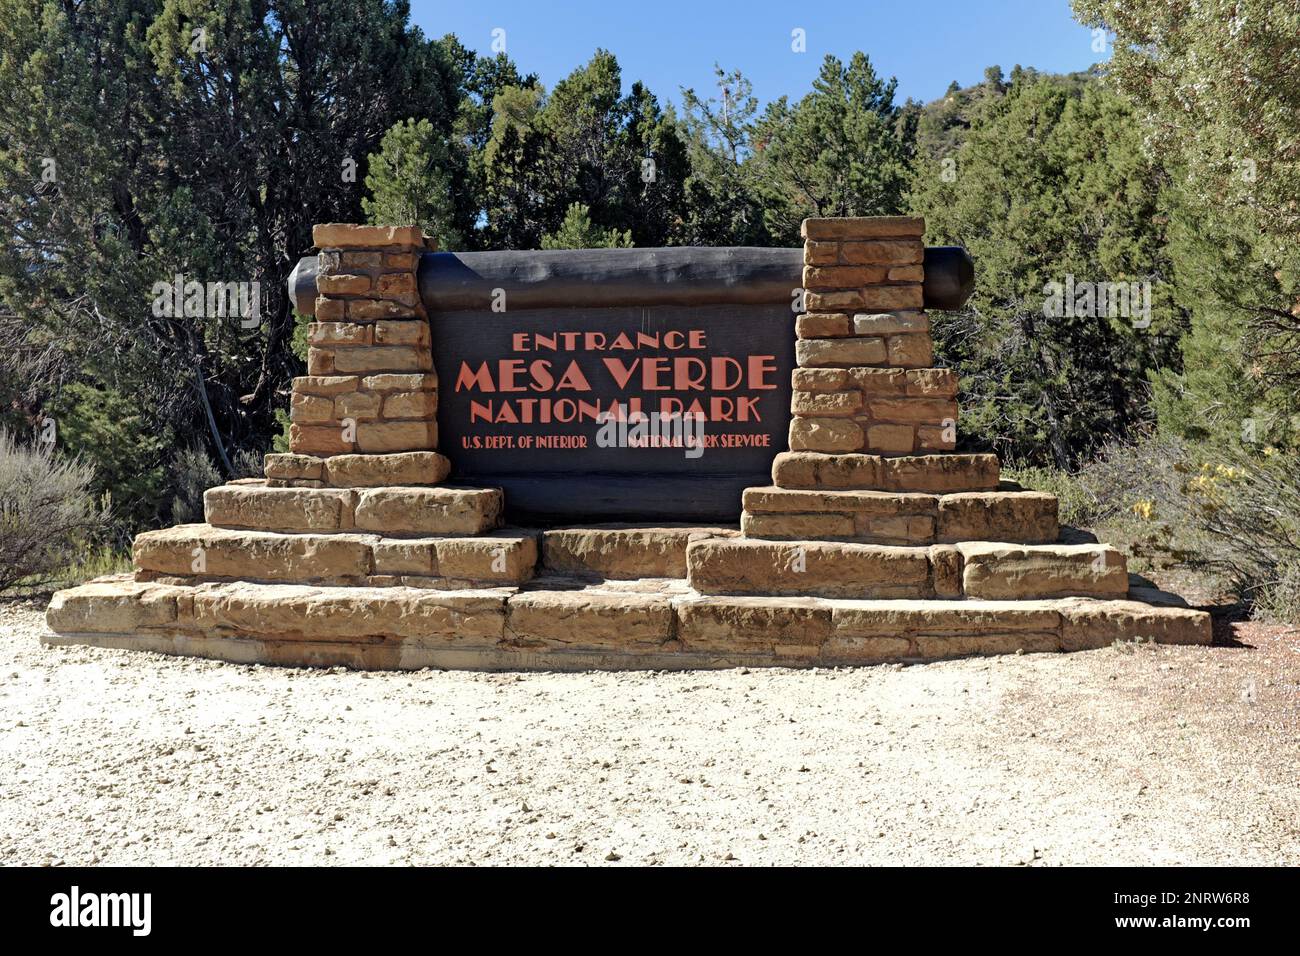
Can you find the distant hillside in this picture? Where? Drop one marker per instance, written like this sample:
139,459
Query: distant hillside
942,124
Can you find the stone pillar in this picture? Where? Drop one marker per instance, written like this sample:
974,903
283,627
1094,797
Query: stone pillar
864,384
365,413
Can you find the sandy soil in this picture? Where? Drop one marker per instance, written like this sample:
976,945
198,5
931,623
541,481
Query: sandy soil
1135,756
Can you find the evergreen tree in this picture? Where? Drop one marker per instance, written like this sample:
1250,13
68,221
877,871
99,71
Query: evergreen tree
837,152
578,232
1050,183
410,180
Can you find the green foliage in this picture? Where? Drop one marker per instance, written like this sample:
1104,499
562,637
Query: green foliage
1214,84
578,232
410,181
585,142
108,429
192,473
133,150
47,512
723,204
837,152
1051,183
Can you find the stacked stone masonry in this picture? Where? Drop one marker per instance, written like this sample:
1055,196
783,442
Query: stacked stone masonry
370,387
864,381
876,541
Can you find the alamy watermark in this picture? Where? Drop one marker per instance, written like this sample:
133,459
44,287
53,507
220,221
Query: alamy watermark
76,908
683,430
1072,299
208,300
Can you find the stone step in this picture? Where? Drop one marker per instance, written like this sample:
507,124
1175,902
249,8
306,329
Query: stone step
930,474
357,471
397,511
200,552
879,517
869,571
624,551
564,624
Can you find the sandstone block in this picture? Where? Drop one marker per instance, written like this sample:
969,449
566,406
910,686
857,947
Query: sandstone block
825,404
816,325
887,298
410,405
371,471
797,527
325,385
278,509
1091,624
940,473
112,605
502,558
886,253
820,379
373,310
359,261
391,332
368,360
888,439
815,568
936,438
910,351
411,616
427,511
395,284
358,406
292,467
825,434
751,624
338,333
833,301
912,411
890,323
317,440
945,567
861,227
310,409
188,550
820,253
1018,572
1028,517
623,552
404,261
843,277
872,503
588,618
842,352
330,310
425,381
385,437
879,382
343,284
341,235
907,273
931,382
918,473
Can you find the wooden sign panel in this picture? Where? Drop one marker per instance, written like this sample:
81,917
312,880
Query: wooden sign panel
626,413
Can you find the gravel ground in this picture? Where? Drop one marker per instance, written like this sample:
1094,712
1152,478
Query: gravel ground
1135,756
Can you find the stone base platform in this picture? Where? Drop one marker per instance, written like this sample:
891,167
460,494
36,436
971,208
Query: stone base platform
564,623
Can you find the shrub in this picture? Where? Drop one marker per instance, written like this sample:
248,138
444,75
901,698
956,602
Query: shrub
48,514
192,474
1079,506
1229,511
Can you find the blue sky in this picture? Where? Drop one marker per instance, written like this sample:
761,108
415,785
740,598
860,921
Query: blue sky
670,43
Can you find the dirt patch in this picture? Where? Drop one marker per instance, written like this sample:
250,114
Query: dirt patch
1150,755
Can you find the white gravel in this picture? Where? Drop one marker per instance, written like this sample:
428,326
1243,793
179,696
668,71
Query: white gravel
1150,756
